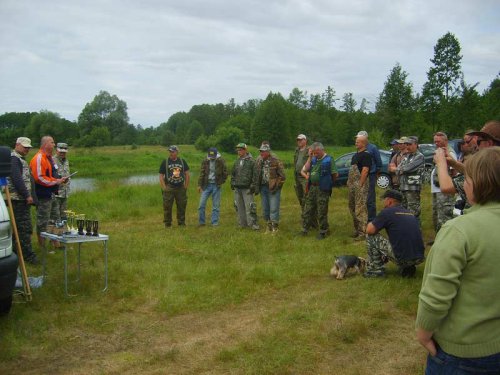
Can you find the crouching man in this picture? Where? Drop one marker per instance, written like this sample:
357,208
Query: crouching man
405,246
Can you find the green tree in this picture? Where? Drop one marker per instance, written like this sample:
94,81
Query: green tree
227,138
298,98
272,122
446,70
348,103
491,101
107,111
395,103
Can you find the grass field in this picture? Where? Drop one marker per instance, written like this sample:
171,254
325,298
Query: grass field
211,300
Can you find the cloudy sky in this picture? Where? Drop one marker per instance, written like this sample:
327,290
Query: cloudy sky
164,56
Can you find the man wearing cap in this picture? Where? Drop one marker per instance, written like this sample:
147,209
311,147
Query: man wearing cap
405,246
47,182
241,182
399,150
375,168
357,184
320,172
299,159
409,172
22,197
213,173
489,136
174,182
268,178
60,203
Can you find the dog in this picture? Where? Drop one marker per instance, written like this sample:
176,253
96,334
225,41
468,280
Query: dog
345,262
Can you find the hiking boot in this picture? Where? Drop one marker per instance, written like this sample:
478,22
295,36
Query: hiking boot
408,272
354,234
274,228
321,236
360,237
269,228
374,274
33,260
200,225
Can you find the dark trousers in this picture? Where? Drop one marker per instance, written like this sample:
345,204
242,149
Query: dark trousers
371,204
177,194
22,215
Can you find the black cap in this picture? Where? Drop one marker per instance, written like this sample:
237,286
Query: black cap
394,194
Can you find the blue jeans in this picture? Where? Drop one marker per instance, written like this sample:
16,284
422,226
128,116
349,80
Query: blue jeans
270,204
447,364
214,191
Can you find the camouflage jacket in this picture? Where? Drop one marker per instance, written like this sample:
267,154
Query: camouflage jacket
276,174
301,162
242,173
63,171
23,189
220,172
410,171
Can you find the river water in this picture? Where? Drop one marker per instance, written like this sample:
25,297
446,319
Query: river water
90,184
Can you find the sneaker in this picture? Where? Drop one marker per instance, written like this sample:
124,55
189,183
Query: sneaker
33,260
408,272
321,236
374,274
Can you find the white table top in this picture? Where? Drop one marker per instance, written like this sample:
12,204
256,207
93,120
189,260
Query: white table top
74,238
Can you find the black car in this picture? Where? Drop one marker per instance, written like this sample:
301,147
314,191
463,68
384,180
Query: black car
343,164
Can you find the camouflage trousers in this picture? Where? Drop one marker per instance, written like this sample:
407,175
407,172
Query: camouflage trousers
177,194
246,207
22,214
59,205
442,209
43,210
316,208
379,252
301,193
358,196
411,201
300,190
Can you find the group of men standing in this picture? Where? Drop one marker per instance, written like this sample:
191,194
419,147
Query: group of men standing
43,183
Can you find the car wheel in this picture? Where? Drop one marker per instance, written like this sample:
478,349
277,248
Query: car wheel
383,181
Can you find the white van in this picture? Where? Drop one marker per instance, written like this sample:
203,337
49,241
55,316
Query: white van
8,259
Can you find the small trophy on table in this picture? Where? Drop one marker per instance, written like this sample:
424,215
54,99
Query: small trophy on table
88,227
95,228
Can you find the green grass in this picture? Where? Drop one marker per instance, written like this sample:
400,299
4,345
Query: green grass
214,300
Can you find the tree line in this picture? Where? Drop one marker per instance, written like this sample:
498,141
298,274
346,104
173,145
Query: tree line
447,103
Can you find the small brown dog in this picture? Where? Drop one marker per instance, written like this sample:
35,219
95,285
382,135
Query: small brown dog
344,262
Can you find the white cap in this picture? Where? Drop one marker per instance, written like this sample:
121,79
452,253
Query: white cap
301,136
362,133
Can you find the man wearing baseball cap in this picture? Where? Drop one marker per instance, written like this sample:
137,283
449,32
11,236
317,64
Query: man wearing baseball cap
174,182
60,203
213,173
22,197
299,159
405,246
241,181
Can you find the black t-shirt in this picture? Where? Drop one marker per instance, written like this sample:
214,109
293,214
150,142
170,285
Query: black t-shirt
362,159
403,231
175,175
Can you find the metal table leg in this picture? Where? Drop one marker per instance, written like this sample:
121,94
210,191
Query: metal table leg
105,266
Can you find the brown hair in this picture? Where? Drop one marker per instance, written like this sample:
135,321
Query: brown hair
483,168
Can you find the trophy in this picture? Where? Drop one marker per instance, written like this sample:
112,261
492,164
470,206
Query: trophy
95,228
88,227
80,223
